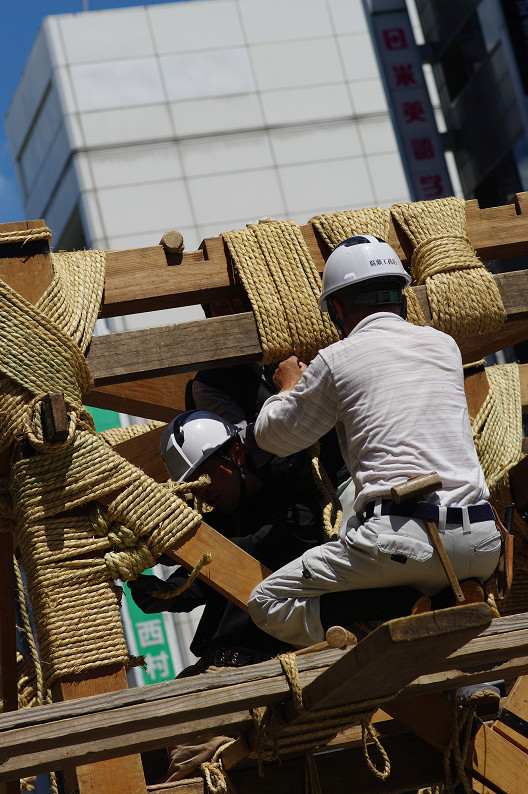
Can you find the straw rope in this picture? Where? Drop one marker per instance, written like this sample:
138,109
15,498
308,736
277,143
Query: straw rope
283,286
24,235
70,561
332,511
338,226
497,432
116,435
463,296
275,737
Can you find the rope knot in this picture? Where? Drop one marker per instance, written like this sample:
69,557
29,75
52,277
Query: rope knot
130,563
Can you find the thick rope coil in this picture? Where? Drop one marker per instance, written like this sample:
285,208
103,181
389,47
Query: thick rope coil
70,562
464,302
283,286
498,431
338,226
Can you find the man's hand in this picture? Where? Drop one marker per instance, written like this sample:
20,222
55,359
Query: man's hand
288,373
142,590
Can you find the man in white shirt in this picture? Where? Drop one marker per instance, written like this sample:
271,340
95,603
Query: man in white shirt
395,393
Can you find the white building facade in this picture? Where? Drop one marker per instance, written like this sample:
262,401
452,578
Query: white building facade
201,116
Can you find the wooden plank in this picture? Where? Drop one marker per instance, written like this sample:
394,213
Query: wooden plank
110,725
163,398
201,344
15,264
232,339
232,572
144,452
156,398
146,279
517,704
490,756
118,776
405,646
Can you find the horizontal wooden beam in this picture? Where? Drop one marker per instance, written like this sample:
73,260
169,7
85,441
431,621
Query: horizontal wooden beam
146,279
154,352
232,339
118,723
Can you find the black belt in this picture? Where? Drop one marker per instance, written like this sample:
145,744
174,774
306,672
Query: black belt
235,657
429,512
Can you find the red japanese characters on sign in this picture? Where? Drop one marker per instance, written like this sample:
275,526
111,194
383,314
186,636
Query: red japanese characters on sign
422,149
395,39
404,75
413,111
433,185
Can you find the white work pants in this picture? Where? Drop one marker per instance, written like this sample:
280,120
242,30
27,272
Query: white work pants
385,551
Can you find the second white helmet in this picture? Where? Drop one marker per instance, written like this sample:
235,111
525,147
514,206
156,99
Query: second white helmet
358,259
190,439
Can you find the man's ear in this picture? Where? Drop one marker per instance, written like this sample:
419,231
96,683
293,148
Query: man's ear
339,309
237,453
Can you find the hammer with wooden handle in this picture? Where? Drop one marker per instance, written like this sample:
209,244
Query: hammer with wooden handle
415,488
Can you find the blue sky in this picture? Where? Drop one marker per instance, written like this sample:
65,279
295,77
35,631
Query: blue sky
21,20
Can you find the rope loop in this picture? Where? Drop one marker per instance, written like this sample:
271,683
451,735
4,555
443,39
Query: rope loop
442,254
130,563
368,731
23,236
34,431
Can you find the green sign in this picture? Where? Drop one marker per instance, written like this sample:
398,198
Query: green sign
147,636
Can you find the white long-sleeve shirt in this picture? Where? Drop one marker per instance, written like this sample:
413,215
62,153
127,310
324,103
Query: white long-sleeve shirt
395,393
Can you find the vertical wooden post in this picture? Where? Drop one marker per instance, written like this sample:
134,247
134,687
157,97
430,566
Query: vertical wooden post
29,271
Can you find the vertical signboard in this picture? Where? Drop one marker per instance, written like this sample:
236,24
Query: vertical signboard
408,98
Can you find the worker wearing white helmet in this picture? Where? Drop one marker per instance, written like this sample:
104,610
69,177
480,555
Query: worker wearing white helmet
395,393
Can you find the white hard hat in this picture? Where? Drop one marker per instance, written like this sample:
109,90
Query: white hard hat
190,439
358,259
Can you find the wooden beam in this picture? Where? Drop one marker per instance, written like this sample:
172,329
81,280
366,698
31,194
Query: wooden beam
231,572
219,341
152,352
146,279
106,726
389,648
515,705
156,398
30,275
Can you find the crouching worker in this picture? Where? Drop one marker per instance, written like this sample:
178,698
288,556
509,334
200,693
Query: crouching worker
395,393
273,513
